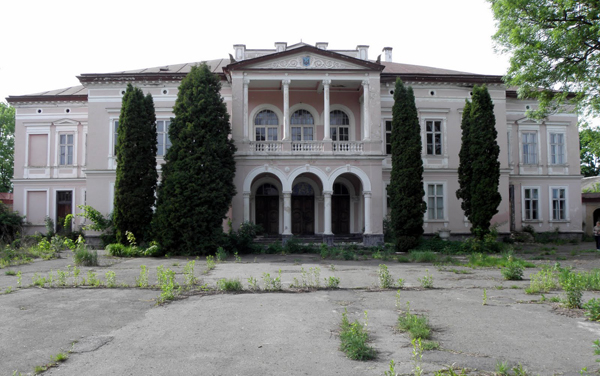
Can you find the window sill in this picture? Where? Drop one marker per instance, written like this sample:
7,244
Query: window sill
532,221
560,221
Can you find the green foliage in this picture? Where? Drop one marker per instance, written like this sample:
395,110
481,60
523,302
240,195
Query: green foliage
188,272
7,146
423,256
427,281
11,223
553,46
406,185
592,308
392,371
272,284
83,256
210,263
479,171
332,282
253,284
354,337
589,154
417,356
385,279
98,222
416,326
142,280
197,179
166,281
226,284
543,281
221,255
136,174
111,279
242,240
513,270
573,290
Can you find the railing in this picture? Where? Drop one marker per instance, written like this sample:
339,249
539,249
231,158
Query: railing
307,146
303,147
268,146
347,147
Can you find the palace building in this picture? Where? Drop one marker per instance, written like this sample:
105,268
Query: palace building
312,127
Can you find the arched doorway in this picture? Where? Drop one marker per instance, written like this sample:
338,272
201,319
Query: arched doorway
267,208
340,209
303,209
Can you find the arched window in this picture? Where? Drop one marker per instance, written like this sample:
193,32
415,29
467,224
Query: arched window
266,125
339,122
302,123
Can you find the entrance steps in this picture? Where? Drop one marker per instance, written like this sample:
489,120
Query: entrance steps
311,239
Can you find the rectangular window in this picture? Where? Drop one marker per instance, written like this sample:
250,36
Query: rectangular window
531,203
530,148
559,204
557,148
435,201
163,142
434,137
115,129
66,150
339,134
388,137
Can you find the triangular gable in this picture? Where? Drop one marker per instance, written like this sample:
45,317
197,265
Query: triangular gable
66,122
305,57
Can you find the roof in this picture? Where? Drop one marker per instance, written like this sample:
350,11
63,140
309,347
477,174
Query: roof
69,94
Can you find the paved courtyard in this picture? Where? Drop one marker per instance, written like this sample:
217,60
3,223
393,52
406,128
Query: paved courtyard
122,331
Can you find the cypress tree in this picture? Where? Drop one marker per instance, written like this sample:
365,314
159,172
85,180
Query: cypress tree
136,175
485,167
406,185
464,167
197,178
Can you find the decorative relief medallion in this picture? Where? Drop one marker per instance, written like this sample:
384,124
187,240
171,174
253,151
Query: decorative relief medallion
307,62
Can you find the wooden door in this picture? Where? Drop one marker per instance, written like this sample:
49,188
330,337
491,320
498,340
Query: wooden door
303,215
267,213
64,207
340,214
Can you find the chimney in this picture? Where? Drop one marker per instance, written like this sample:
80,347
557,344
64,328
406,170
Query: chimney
280,46
322,45
363,52
388,54
240,51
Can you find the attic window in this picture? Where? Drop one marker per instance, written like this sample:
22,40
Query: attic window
39,111
122,92
432,93
164,69
470,93
392,92
165,91
528,107
67,110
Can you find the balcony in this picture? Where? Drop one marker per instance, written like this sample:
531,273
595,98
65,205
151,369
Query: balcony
310,148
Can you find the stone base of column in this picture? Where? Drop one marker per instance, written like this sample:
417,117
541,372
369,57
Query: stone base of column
328,239
372,240
286,238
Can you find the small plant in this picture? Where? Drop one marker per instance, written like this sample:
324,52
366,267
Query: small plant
62,277
8,290
484,296
60,357
225,284
543,281
221,254
142,280
518,370
188,273
573,290
210,263
111,279
238,259
513,270
10,272
253,284
427,280
385,279
354,338
92,280
332,267
272,284
416,326
38,280
19,278
392,371
76,272
417,356
430,345
592,308
332,282
167,284
502,368
398,303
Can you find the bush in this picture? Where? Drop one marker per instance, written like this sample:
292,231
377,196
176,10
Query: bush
513,270
225,284
11,224
242,240
416,326
592,309
354,338
423,256
82,256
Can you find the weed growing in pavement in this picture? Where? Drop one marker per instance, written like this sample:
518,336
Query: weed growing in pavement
272,284
210,263
543,281
142,280
332,282
19,278
513,270
111,279
39,369
385,279
10,272
76,272
398,304
225,284
400,282
253,284
416,326
332,267
62,277
8,290
481,260
238,259
572,287
592,308
417,357
430,345
423,256
502,368
427,280
188,273
392,371
354,338
310,279
484,296
166,282
450,372
60,357
82,255
518,370
92,280
38,280
221,254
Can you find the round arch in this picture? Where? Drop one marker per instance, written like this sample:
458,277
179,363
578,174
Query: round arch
265,106
262,170
364,178
307,107
287,186
348,112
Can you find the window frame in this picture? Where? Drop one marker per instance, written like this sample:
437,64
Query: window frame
388,136
524,205
166,142
67,146
433,133
551,200
532,151
303,127
444,197
553,131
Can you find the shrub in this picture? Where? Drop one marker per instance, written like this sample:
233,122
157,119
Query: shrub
242,240
592,308
513,270
416,326
426,281
423,256
543,281
354,338
573,290
385,279
82,256
225,284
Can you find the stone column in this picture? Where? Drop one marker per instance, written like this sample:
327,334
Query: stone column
327,213
246,206
327,132
366,117
367,196
287,213
246,128
286,109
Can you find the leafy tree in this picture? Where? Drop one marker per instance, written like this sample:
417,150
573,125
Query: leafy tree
406,185
589,140
465,167
197,179
555,48
136,179
7,146
482,197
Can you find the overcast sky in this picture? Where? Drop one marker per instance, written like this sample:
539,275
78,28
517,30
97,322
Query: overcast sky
46,44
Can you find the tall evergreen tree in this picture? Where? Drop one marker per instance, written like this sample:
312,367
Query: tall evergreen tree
136,179
464,167
485,166
406,186
197,179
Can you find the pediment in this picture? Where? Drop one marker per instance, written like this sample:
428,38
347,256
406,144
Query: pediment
305,61
66,122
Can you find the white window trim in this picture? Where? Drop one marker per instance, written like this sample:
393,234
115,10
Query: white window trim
557,130
316,119
64,130
567,216
509,145
530,129
444,137
351,120
73,207
159,133
262,107
37,130
26,213
112,158
540,212
445,201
